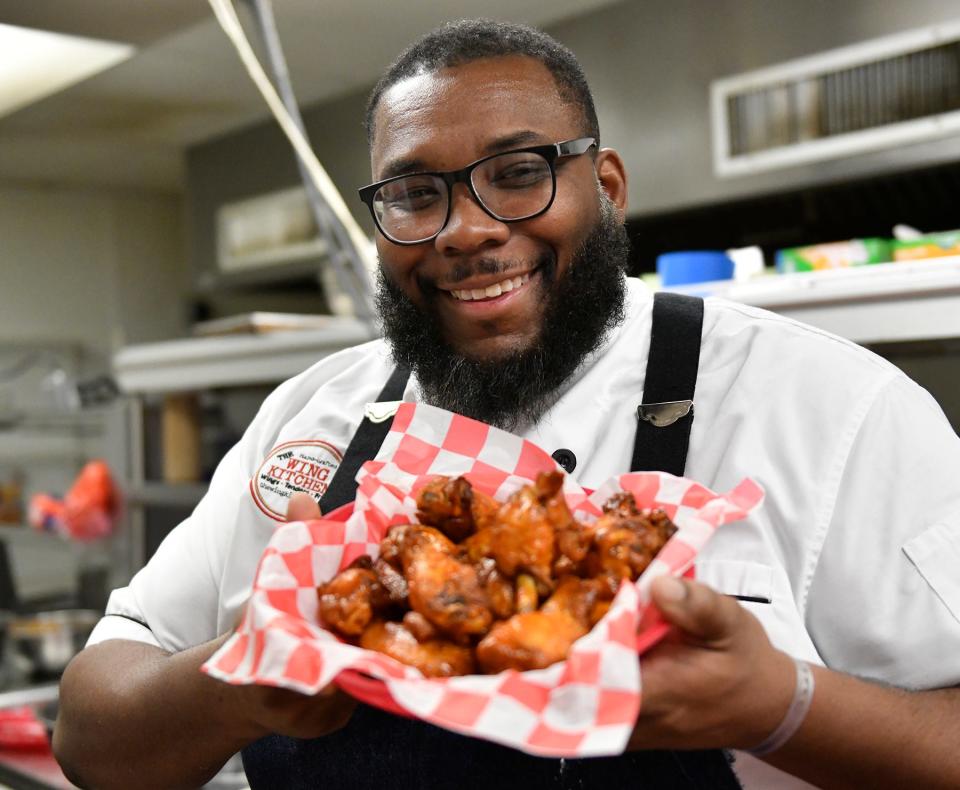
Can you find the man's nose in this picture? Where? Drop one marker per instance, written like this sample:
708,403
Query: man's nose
469,227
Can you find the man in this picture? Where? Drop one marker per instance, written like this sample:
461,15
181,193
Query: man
502,248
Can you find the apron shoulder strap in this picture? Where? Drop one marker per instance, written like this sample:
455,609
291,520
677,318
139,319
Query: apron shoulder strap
364,445
666,414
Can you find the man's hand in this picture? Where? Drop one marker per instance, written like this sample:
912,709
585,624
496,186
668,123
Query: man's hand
715,681
285,712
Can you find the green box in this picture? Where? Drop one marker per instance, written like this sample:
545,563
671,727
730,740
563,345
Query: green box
834,255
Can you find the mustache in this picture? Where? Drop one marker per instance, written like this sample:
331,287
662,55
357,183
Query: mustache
465,269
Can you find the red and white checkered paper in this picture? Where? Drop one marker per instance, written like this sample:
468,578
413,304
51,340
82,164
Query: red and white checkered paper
584,706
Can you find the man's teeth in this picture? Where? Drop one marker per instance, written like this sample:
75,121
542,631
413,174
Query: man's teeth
467,294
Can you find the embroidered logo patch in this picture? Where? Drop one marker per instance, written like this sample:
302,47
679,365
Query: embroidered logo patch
307,465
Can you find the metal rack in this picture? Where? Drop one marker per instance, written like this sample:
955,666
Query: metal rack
50,446
228,363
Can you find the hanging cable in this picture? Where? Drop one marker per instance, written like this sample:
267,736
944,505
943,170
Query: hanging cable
347,264
351,251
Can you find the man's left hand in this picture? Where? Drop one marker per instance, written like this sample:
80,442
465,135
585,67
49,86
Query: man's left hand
715,681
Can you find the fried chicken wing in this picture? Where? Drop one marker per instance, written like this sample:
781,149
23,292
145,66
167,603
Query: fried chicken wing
622,508
349,600
523,537
625,539
406,537
433,657
455,507
445,504
534,640
549,490
622,504
441,587
447,592
574,596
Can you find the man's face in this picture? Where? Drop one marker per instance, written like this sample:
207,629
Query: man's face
443,121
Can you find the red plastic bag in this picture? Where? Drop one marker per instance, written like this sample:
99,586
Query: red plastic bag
88,511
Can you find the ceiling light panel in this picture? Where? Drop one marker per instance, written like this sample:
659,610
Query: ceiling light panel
36,63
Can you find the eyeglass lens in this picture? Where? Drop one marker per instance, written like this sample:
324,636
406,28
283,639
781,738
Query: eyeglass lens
510,186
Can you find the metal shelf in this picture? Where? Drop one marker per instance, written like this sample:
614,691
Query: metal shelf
158,494
236,360
22,446
879,303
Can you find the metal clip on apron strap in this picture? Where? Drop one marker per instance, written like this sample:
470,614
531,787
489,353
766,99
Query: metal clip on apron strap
364,445
666,414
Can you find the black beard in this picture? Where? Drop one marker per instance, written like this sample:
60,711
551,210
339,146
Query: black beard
516,388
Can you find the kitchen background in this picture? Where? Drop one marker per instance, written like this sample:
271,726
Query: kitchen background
112,234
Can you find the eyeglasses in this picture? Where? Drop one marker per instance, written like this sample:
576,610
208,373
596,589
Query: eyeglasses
510,186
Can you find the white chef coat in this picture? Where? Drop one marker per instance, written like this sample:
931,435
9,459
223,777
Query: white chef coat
856,547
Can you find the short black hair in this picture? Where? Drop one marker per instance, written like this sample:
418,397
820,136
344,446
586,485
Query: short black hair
466,40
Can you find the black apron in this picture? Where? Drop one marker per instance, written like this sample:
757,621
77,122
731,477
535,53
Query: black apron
377,750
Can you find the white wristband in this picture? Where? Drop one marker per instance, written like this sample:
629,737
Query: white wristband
796,713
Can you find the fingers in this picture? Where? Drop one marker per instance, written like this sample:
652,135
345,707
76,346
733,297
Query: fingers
698,611
288,712
302,507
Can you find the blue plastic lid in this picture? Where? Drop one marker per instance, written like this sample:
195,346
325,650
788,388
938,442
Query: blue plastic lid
694,266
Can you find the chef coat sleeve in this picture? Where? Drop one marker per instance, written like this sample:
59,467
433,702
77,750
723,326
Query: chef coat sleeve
173,602
884,597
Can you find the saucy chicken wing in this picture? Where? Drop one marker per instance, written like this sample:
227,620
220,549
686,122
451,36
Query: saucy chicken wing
455,507
534,640
435,658
349,599
522,538
445,504
442,588
625,539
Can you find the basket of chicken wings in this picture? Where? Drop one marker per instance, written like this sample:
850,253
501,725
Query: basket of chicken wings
474,585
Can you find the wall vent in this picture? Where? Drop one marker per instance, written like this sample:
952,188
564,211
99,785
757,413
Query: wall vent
866,97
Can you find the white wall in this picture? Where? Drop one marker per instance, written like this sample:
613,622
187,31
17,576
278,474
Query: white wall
96,267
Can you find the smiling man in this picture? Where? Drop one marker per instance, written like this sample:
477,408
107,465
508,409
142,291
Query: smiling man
500,230
500,277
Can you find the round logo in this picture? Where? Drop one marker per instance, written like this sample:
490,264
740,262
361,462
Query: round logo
307,465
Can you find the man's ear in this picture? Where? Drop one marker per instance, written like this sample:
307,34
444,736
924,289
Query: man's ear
612,175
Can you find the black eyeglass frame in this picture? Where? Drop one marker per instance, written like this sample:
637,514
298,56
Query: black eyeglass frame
551,152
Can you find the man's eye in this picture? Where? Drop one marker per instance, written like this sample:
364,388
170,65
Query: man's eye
411,198
521,175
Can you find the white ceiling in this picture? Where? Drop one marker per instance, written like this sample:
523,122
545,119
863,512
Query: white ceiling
128,127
